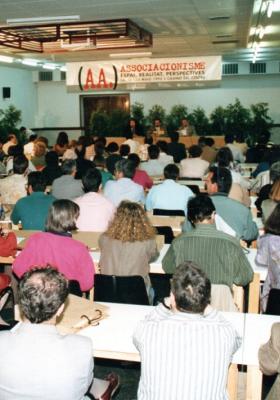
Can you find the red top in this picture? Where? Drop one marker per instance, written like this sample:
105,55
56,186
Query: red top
143,179
68,255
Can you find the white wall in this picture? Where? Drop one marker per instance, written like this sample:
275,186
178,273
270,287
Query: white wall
23,93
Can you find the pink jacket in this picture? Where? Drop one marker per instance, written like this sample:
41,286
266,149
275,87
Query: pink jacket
69,256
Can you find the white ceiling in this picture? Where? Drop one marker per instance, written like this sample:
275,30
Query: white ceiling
179,27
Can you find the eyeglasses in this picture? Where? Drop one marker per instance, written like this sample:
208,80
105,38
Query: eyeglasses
93,321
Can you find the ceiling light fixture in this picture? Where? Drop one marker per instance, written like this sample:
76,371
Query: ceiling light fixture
42,20
131,55
6,59
50,66
270,8
261,31
30,62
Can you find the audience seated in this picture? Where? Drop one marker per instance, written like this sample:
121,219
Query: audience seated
269,205
235,214
143,149
153,166
39,157
123,188
236,152
14,151
70,152
124,150
274,174
12,141
133,144
100,163
95,210
140,177
268,254
220,255
52,169
225,159
209,153
169,195
32,209
186,347
175,149
66,186
61,144
129,244
193,167
13,186
164,157
240,143
113,156
40,363
57,248
28,148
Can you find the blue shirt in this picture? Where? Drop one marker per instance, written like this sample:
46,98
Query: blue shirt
124,189
169,195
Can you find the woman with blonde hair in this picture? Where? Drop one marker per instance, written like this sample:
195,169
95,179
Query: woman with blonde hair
269,205
129,244
39,158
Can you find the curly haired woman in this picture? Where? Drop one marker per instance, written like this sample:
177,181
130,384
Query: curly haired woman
129,244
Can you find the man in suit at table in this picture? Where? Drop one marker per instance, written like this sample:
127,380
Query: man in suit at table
39,363
185,346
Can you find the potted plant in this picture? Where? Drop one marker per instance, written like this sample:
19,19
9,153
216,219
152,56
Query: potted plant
99,122
9,119
200,121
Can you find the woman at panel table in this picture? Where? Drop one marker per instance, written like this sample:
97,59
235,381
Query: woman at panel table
268,254
57,248
129,244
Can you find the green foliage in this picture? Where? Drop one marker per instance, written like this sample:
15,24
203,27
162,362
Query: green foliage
137,112
118,122
156,112
9,119
218,121
238,118
99,123
177,113
261,121
200,121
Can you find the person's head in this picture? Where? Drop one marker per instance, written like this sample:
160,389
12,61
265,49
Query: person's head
36,182
12,138
229,138
219,179
134,158
15,150
190,288
171,171
124,169
32,137
124,150
239,137
112,147
209,141
62,216
157,123
184,122
99,148
148,140
195,151
174,137
39,149
43,139
52,159
274,171
202,141
200,210
272,224
92,180
102,140
130,223
129,135
163,147
20,164
153,152
99,161
62,139
132,123
42,293
275,191
224,157
69,167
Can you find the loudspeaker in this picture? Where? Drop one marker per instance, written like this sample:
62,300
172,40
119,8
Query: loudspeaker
6,92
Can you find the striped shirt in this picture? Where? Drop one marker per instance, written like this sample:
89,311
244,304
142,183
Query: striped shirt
219,255
184,355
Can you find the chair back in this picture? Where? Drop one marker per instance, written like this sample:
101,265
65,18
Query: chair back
159,211
194,189
273,302
165,231
74,288
120,289
7,306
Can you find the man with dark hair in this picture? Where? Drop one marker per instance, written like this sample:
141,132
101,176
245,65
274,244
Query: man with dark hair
13,186
175,149
194,167
153,166
95,210
32,209
113,156
236,152
133,144
123,188
52,169
169,195
186,129
141,177
208,151
164,158
47,365
180,342
220,255
66,186
235,214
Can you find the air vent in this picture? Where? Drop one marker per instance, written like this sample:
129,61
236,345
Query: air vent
223,36
234,41
258,68
45,76
218,18
230,69
62,75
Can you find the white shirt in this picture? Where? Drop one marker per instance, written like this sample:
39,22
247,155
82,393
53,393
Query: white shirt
184,356
133,145
193,167
236,153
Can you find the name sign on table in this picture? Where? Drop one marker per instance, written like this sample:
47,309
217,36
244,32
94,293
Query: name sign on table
138,73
